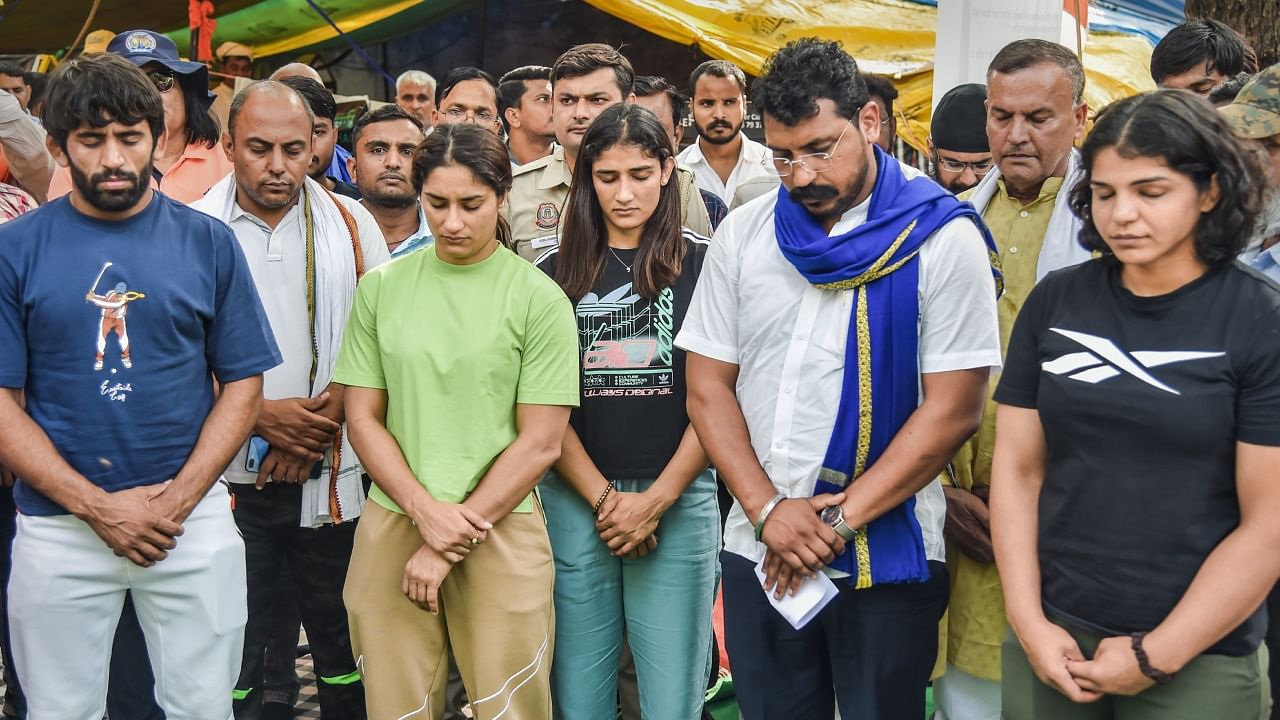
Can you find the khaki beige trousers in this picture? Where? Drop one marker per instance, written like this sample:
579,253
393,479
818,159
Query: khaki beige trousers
496,613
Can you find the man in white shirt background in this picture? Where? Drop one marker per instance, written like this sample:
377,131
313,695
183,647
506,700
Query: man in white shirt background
723,155
839,344
296,484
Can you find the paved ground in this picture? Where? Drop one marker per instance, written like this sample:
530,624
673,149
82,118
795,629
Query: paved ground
308,706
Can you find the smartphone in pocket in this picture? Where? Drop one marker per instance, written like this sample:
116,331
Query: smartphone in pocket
258,449
257,455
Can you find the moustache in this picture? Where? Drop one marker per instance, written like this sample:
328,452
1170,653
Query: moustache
814,193
720,124
108,175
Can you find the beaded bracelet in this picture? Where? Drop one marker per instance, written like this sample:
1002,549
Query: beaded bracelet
1160,677
607,489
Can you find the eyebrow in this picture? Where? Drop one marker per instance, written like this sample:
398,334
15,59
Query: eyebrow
290,145
1141,181
633,168
469,198
998,109
811,145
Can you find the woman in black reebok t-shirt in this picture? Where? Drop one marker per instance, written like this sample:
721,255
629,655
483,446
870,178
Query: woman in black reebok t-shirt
1133,500
631,505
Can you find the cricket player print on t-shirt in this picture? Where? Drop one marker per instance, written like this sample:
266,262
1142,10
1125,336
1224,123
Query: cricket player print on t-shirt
113,312
628,343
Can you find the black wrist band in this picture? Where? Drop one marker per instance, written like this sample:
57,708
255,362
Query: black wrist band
607,489
1160,677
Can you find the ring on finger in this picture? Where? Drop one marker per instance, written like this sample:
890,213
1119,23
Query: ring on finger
475,541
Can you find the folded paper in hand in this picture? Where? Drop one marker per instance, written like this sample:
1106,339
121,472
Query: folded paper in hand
812,595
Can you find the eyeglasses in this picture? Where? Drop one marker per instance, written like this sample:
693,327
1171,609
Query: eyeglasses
814,162
980,167
162,80
457,114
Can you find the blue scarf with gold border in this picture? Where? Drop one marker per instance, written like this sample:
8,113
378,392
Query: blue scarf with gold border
878,260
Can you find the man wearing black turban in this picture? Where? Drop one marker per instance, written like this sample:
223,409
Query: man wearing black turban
958,138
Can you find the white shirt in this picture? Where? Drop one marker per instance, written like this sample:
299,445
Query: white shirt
752,308
278,262
754,160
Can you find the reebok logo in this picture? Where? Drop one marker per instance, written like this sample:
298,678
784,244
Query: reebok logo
1105,361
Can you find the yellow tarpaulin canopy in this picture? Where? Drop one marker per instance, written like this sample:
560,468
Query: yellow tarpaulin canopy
894,38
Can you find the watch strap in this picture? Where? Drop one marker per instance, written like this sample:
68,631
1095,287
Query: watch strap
843,530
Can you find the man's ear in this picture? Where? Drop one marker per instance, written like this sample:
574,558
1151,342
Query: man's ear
59,155
869,120
512,116
1081,117
228,146
351,169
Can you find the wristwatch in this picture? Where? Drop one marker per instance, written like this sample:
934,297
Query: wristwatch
834,518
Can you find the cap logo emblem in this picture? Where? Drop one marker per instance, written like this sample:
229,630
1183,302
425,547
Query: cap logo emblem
140,42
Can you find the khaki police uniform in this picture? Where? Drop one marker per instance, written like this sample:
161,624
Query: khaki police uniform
538,193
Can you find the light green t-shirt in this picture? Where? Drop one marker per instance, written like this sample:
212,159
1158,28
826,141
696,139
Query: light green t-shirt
456,347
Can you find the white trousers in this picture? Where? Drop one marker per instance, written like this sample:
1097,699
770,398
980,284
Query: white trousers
66,592
961,696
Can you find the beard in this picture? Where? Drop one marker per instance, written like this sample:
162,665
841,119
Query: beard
390,199
717,124
256,193
112,200
814,192
1268,223
956,187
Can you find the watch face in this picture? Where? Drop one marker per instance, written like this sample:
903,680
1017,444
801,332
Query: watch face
833,515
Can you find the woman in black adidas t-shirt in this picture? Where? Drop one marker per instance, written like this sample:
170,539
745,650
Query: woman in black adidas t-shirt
631,505
1133,501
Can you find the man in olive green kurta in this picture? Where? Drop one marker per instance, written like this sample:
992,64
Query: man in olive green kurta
1035,114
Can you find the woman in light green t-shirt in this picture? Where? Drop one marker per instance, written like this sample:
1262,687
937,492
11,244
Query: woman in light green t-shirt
461,367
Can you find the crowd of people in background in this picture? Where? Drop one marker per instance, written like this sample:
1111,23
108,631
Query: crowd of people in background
497,395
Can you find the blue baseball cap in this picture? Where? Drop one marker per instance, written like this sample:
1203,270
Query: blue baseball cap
144,46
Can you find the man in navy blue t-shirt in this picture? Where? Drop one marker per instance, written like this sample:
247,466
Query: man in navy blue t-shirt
133,332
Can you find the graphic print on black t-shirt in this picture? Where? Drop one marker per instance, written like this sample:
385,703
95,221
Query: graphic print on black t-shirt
1107,361
632,415
628,343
